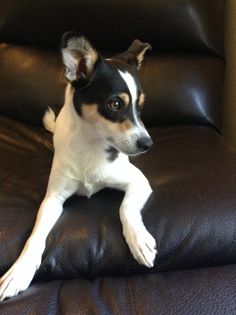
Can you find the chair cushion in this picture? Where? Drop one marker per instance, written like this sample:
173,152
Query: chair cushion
180,88
189,25
191,213
208,291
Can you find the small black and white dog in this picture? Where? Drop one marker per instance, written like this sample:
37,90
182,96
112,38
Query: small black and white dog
97,129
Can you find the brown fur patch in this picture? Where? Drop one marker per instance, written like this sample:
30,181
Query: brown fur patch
125,98
141,100
91,114
125,125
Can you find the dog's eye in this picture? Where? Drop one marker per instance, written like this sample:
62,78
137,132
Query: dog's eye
115,104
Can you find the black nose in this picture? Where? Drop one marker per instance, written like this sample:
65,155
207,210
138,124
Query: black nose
144,143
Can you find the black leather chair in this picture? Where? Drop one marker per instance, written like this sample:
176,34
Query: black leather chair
87,267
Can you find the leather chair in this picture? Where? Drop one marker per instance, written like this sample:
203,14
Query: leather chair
87,267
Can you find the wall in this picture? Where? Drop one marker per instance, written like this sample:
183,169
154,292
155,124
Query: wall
229,117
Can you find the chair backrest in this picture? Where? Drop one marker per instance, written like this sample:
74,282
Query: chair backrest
182,76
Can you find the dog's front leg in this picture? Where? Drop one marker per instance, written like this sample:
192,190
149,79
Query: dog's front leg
141,243
19,276
137,191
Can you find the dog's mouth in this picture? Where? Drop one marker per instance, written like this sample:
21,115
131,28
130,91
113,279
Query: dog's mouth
132,152
132,146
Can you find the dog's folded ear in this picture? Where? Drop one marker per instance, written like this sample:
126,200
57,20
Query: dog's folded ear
135,53
78,56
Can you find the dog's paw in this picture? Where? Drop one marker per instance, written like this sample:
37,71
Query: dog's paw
17,278
142,245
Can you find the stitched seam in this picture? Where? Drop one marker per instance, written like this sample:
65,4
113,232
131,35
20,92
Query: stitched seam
129,295
132,293
59,306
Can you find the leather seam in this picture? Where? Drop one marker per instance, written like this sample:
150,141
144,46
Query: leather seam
59,306
130,296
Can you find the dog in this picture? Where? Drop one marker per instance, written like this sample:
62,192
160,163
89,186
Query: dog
96,131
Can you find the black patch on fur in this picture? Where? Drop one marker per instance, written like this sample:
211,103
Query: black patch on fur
112,154
105,84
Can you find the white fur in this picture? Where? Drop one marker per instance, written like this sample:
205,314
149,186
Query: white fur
80,165
129,80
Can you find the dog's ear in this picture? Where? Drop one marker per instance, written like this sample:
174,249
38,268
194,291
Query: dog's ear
135,53
78,56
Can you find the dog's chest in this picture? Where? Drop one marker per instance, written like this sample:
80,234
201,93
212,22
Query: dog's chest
87,188
89,175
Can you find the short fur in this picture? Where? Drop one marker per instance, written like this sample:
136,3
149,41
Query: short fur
97,128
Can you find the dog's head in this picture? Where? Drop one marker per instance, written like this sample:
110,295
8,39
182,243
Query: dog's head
107,92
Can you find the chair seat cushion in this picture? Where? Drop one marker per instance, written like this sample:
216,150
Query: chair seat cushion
191,213
207,291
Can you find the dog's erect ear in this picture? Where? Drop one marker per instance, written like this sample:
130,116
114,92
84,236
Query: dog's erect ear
78,56
135,53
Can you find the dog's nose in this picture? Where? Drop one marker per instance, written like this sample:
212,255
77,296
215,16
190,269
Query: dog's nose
144,143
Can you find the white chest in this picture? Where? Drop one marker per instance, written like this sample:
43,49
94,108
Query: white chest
87,189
